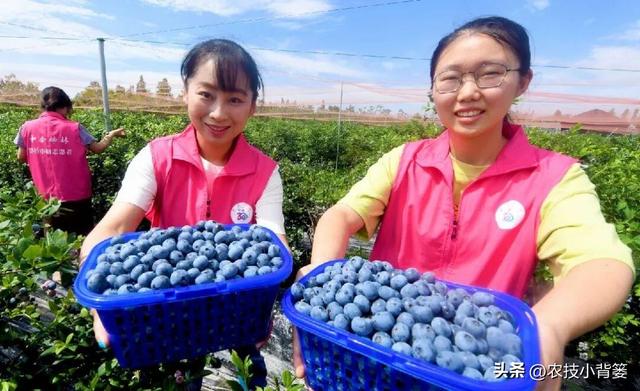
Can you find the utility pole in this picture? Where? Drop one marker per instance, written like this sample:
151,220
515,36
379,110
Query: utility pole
105,89
339,126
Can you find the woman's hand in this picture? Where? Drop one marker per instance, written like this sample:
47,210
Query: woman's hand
117,133
98,330
552,344
298,362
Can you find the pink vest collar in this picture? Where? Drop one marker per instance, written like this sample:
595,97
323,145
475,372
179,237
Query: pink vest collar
511,158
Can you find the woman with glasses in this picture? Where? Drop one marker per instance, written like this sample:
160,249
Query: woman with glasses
480,205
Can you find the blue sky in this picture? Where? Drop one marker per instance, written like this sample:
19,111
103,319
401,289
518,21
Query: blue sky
149,38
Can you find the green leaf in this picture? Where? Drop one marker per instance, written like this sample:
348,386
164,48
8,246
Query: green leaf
32,252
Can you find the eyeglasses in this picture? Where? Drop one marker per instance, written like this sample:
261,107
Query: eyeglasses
485,76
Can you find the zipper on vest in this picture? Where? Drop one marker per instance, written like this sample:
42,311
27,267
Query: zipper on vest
208,208
454,231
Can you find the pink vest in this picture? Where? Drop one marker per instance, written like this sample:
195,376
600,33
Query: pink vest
183,195
57,158
493,243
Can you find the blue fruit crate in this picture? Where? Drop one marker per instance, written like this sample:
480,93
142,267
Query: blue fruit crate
335,359
173,324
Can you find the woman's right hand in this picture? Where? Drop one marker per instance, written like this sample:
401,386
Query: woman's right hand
98,330
298,362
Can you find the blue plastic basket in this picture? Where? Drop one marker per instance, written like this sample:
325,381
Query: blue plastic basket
172,324
337,360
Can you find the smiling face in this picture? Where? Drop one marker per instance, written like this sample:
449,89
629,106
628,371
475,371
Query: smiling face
218,116
471,111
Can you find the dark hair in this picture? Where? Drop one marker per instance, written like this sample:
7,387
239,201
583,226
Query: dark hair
503,30
229,58
54,98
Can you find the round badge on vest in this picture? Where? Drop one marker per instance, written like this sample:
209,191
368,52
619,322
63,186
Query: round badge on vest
241,213
509,214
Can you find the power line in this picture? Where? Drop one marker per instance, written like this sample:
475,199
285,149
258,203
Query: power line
267,18
38,29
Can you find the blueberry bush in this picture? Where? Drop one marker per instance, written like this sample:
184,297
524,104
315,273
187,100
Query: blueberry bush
317,167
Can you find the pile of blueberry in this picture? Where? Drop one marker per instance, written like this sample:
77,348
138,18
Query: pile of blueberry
175,257
413,314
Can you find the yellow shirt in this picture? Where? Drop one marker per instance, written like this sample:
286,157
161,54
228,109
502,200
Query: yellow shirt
572,228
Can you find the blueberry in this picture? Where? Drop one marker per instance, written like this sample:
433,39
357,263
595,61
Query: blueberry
111,279
409,291
137,271
474,327
201,262
97,283
400,332
273,251
412,274
212,226
472,373
185,264
204,278
193,273
176,256
147,259
383,321
486,316
386,292
505,326
251,271
160,282
145,279
450,360
466,308
128,250
509,360
421,314
131,262
423,349
402,347
378,306
362,303
361,326
422,331
495,337
208,251
406,318
230,270
344,296
179,277
485,362
434,303
455,297
351,311
465,341
121,280
116,268
447,311
383,277
382,338
341,321
319,313
442,343
235,251
364,274
334,309
441,326
183,237
482,299
302,307
398,281
512,344
126,288
264,270
394,305
158,252
316,301
164,269
103,268
116,240
490,375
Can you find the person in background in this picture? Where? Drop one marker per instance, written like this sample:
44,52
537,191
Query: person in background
208,171
481,206
55,149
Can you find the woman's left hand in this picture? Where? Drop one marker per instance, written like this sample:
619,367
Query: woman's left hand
552,345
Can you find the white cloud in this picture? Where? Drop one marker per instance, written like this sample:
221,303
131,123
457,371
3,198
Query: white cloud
313,65
631,34
539,4
280,8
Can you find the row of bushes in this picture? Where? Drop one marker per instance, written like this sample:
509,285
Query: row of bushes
319,162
